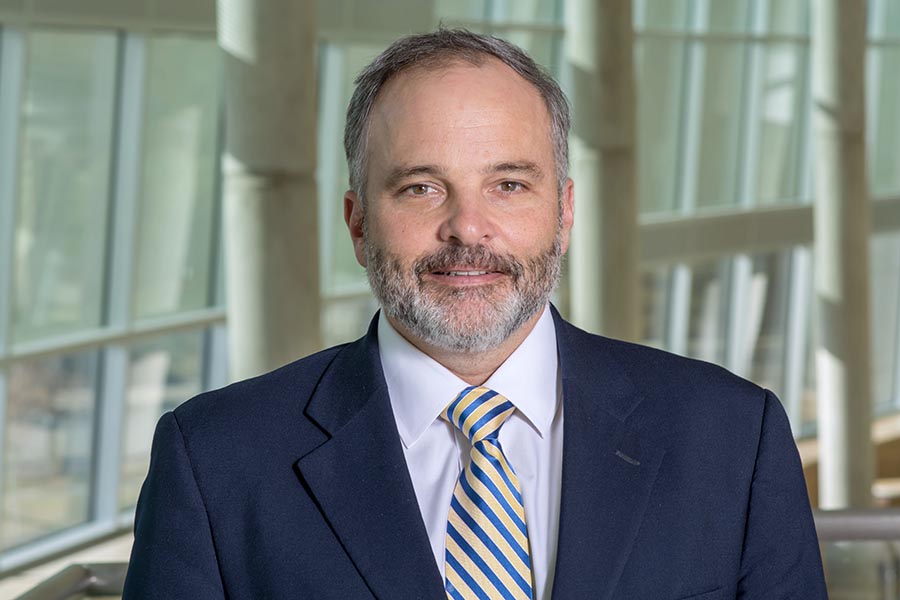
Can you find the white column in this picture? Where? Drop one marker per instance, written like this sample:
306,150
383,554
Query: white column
842,224
270,228
604,268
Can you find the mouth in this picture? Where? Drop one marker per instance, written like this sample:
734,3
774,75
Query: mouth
458,267
464,276
463,273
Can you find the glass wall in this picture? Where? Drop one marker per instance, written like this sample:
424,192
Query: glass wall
178,182
884,98
724,129
162,373
47,456
64,174
109,254
722,103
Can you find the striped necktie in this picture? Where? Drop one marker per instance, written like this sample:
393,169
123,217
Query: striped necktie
487,553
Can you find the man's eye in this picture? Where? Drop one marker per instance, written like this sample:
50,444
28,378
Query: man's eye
510,186
420,189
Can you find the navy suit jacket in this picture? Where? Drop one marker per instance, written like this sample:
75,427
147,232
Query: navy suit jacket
680,480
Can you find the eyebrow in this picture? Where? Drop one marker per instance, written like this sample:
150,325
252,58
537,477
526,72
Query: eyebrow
526,167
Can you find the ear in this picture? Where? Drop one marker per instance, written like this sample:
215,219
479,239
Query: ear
353,217
568,213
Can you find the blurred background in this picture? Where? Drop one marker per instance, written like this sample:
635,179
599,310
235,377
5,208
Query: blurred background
114,283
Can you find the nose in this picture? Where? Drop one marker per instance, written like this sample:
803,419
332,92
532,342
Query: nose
467,222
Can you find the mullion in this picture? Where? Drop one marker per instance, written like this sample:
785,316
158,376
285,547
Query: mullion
120,275
738,355
12,81
691,109
800,297
877,34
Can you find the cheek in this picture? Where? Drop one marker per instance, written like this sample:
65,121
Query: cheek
403,234
395,243
534,233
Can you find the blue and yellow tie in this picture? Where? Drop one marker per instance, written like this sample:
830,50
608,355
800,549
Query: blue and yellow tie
487,552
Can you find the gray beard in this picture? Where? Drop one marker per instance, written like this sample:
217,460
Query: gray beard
442,317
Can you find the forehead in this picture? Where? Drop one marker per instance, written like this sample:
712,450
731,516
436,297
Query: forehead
478,111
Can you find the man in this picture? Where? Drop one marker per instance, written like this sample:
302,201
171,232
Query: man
473,444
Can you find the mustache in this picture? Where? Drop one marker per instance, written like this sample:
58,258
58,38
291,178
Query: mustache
479,257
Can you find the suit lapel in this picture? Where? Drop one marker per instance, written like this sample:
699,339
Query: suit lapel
360,480
608,468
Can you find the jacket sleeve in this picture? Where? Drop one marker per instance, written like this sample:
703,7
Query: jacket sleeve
780,558
173,554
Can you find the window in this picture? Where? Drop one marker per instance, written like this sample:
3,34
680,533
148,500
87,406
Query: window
178,186
64,174
724,129
47,454
162,373
109,266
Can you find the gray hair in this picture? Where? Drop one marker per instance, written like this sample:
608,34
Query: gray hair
438,49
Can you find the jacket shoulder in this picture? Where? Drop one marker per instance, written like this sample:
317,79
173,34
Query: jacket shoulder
677,396
265,401
652,368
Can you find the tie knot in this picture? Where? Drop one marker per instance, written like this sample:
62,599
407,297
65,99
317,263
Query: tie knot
478,412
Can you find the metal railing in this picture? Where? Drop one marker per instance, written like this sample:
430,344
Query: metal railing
861,552
81,581
858,524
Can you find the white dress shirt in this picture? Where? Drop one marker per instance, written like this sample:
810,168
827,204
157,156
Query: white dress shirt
531,438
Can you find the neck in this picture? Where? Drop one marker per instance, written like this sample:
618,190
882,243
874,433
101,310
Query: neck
472,367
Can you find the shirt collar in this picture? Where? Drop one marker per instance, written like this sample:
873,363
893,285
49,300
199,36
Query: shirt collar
420,387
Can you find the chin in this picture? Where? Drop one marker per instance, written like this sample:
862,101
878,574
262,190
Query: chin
474,325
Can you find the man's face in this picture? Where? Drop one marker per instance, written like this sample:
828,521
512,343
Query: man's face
463,229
